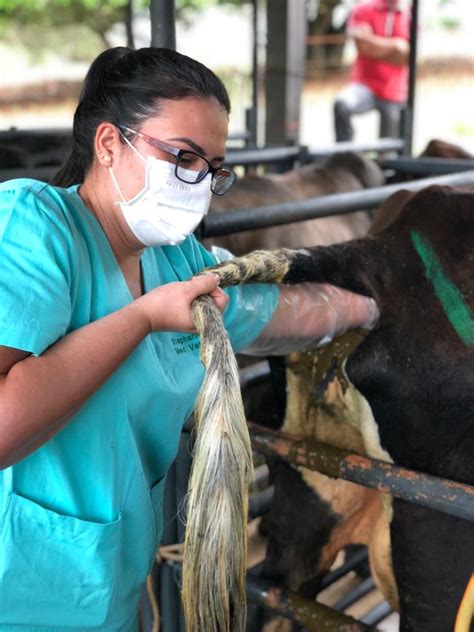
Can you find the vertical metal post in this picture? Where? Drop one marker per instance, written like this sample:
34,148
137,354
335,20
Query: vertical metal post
163,32
253,115
286,37
183,465
129,24
169,584
168,592
410,109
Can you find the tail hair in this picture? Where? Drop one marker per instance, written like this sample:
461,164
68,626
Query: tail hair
215,550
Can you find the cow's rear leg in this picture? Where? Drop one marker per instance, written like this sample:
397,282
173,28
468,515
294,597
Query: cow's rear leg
433,561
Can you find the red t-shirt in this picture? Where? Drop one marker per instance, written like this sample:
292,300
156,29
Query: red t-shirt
387,81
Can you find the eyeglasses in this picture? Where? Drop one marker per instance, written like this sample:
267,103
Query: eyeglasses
190,166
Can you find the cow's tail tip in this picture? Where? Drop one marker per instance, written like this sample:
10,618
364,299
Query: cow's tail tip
215,553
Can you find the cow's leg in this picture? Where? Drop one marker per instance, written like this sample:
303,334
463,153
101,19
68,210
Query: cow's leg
348,265
433,561
294,545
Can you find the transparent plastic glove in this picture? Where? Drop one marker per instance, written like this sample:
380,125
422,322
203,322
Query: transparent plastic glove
310,315
221,254
250,308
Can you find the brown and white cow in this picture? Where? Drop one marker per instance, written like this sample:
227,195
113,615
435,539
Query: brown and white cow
341,173
413,374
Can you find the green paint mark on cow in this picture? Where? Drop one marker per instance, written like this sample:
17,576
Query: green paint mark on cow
456,309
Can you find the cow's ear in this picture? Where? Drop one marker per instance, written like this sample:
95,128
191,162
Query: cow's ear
388,212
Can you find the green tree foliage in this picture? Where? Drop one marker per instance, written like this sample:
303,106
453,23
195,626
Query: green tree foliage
98,15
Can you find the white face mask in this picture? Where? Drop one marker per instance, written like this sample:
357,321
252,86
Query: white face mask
166,210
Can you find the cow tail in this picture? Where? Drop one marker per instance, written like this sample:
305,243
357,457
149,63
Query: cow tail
215,550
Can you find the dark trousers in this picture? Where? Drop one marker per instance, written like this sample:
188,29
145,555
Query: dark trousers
358,99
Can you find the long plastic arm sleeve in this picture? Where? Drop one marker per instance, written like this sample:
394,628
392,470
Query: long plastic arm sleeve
310,315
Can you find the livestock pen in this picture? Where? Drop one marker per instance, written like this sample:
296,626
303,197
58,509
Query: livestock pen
262,594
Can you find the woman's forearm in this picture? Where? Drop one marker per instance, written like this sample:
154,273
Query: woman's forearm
38,395
311,314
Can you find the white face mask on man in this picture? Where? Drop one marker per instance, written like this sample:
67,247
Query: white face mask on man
166,210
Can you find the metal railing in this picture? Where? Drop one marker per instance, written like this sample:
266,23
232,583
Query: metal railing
428,166
337,204
284,155
380,146
455,499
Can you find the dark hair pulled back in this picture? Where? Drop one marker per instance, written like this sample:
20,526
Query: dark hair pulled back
125,86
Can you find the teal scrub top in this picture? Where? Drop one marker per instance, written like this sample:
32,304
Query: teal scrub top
81,516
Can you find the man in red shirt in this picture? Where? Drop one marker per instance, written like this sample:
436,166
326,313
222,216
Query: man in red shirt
379,80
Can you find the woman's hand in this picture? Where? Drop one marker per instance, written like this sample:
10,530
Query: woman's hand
168,307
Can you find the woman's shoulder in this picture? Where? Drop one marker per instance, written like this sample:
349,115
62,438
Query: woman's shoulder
27,188
34,201
22,186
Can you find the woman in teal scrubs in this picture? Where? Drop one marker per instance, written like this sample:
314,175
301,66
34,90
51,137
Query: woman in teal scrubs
99,365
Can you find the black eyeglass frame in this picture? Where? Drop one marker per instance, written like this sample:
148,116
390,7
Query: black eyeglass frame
177,153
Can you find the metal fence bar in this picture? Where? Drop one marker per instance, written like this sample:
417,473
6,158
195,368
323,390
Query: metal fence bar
272,154
260,476
264,155
362,589
234,157
337,204
428,166
355,560
378,613
284,151
315,617
260,502
244,135
379,146
14,133
429,491
254,374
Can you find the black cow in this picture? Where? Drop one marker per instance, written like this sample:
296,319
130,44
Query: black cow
416,371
